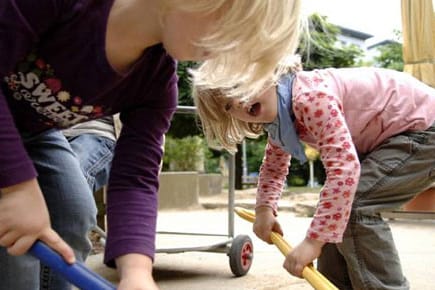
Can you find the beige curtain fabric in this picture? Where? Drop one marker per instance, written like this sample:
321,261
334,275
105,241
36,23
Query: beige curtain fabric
418,27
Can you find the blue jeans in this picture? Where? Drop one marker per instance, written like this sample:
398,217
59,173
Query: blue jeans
95,154
391,175
72,212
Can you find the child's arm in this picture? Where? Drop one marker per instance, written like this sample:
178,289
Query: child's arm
24,219
320,112
135,270
265,223
303,254
324,119
273,172
23,213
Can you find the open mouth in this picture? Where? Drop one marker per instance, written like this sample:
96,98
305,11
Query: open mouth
254,110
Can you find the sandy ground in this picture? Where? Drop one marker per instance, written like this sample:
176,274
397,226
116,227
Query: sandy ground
193,270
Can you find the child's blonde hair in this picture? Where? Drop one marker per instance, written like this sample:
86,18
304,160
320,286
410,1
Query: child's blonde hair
221,130
250,39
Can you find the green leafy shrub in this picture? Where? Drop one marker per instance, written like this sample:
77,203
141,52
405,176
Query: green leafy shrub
295,180
184,154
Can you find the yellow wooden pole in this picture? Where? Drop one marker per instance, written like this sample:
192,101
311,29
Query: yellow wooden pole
314,277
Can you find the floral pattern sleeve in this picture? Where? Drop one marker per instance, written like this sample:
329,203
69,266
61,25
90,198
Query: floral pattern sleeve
273,173
320,115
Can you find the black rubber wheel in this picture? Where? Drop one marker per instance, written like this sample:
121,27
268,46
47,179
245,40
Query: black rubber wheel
241,255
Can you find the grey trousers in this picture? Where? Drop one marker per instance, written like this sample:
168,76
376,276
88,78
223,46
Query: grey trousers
391,175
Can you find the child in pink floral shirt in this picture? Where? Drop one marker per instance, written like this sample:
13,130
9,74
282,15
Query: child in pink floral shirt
375,132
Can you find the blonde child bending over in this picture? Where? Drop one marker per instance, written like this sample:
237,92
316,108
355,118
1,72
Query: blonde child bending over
375,132
64,62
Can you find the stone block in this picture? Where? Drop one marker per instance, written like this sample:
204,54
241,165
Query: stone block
210,184
178,189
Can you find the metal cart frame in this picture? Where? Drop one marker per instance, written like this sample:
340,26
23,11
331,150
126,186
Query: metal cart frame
239,249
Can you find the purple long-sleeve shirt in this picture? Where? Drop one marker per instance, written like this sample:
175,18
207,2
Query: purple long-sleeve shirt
54,73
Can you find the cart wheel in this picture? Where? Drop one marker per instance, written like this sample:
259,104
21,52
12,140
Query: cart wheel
241,255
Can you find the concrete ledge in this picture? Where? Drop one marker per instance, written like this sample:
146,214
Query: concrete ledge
178,189
210,184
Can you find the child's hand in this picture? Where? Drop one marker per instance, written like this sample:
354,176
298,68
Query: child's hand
302,255
135,271
265,223
24,219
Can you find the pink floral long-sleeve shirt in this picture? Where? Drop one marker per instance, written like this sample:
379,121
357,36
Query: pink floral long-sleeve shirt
343,112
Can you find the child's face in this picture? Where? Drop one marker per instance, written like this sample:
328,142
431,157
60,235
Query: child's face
181,30
258,109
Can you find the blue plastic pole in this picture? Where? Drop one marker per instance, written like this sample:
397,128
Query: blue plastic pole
77,273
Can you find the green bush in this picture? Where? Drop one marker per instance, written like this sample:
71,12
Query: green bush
184,154
295,180
212,159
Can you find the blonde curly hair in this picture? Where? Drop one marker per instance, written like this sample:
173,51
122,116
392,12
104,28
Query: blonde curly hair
250,39
221,130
